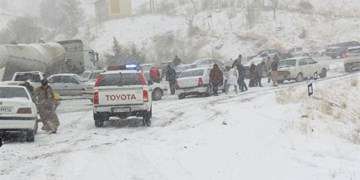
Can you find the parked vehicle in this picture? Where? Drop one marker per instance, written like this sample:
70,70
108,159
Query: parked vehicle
158,90
68,84
339,50
122,93
300,68
18,112
33,77
194,82
89,78
352,60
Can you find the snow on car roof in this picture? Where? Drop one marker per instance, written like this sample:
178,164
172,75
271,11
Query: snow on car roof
198,68
120,71
355,47
296,58
64,74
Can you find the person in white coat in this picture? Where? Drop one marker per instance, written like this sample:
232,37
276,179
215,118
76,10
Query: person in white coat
233,78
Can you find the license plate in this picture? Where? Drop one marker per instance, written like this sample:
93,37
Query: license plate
120,110
5,109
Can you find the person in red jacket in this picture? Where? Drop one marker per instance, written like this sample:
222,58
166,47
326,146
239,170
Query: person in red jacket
155,74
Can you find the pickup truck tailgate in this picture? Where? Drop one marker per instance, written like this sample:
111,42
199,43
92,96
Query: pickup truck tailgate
121,96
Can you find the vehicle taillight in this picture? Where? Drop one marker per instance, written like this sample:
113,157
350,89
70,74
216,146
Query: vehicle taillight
142,79
98,80
96,98
200,82
24,111
146,95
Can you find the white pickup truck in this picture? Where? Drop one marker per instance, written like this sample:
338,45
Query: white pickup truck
34,77
122,93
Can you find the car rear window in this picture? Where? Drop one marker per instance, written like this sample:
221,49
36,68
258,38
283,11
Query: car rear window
13,92
27,76
192,73
121,79
287,63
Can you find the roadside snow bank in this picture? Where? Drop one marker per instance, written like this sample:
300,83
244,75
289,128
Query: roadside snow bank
333,111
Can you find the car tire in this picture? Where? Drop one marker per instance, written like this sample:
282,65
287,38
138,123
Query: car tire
99,120
30,136
299,77
323,73
157,94
147,119
181,96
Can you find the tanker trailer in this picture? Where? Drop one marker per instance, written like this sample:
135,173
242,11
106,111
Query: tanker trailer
30,57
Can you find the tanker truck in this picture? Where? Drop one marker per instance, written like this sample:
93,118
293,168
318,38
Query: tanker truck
50,58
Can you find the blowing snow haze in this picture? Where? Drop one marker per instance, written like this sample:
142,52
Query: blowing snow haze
179,89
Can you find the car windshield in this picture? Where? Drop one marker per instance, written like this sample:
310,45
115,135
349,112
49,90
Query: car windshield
192,73
13,92
27,76
121,79
287,63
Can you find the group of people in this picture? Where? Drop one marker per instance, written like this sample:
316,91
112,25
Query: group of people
234,76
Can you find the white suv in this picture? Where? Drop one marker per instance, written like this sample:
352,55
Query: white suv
300,68
122,93
17,112
194,82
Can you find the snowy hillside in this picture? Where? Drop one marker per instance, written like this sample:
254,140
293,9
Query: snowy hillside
225,32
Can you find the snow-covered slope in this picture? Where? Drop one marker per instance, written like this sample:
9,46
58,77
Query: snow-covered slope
265,133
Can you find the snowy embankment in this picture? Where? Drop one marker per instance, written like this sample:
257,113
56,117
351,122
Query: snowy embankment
266,133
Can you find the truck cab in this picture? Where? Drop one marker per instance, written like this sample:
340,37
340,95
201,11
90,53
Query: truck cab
122,93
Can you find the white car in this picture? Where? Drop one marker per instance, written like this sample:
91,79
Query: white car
17,112
33,77
122,93
352,60
300,68
68,84
194,82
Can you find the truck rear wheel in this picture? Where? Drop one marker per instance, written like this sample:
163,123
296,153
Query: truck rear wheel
30,136
157,94
99,120
147,119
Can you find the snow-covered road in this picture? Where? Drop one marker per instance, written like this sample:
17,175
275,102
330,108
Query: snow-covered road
247,136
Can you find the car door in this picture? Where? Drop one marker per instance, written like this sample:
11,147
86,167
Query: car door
56,84
303,67
313,67
72,87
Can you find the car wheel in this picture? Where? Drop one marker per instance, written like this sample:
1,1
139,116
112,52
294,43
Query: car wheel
299,77
99,120
323,73
147,119
30,136
181,96
157,94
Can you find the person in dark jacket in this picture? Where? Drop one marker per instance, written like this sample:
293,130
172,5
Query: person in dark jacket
274,71
237,61
216,78
177,61
171,78
252,82
241,80
260,69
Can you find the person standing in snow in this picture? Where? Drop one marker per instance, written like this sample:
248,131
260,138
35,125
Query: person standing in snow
47,103
274,70
177,61
171,78
237,61
226,76
259,72
252,82
233,78
216,78
241,80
